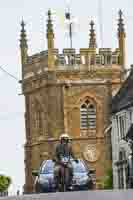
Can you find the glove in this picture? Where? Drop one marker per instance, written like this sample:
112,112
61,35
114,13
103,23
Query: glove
54,160
76,160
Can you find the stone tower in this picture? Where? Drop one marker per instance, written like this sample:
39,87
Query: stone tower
71,93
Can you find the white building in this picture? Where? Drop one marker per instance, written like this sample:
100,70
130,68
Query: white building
122,119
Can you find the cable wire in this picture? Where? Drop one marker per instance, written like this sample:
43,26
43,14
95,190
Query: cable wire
9,74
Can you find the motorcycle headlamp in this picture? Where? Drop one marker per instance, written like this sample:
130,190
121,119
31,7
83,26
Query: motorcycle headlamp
83,180
43,180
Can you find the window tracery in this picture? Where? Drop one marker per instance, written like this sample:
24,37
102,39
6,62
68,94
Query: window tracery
88,115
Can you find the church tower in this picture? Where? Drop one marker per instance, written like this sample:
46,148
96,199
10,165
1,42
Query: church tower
70,92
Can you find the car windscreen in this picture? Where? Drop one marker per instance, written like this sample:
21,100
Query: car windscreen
48,167
78,167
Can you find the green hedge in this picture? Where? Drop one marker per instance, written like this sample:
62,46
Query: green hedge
108,179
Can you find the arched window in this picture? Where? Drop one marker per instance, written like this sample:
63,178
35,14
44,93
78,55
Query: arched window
38,123
88,115
38,119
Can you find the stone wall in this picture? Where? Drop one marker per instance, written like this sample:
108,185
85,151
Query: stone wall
53,100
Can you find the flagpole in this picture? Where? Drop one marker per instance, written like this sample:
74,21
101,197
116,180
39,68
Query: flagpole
68,17
70,35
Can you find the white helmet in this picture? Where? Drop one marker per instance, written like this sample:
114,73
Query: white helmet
64,136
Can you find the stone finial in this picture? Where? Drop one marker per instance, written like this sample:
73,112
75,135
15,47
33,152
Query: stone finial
92,42
50,42
121,39
121,28
23,44
23,38
49,24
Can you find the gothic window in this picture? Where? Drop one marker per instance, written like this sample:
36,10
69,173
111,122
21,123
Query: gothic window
38,118
122,125
88,115
121,169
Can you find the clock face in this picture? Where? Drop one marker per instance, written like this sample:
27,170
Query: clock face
90,153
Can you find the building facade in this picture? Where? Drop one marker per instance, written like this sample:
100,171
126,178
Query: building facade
122,120
71,93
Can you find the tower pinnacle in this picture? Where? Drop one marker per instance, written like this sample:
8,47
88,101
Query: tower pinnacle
23,44
49,25
121,39
50,41
121,28
50,32
23,39
92,42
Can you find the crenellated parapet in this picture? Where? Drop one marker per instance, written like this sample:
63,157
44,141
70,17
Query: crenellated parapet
95,61
69,60
104,56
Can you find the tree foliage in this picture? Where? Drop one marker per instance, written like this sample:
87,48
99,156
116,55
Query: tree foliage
108,179
5,182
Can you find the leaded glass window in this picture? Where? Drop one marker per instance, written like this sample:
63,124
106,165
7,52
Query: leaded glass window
88,115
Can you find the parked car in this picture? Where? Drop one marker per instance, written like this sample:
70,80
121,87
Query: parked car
44,181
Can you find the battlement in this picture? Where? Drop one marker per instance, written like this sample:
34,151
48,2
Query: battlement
69,59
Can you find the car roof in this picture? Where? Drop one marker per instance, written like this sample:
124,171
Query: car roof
49,160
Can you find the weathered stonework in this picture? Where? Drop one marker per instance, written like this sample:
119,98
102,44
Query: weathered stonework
55,86
53,100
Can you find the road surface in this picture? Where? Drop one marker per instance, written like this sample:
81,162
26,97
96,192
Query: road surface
85,195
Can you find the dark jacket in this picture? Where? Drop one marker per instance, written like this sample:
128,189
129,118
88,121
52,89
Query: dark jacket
64,150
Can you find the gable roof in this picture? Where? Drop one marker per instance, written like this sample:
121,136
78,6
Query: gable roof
124,98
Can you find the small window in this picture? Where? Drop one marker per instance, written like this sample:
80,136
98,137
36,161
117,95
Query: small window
62,60
72,59
92,60
78,62
102,60
108,59
98,60
114,59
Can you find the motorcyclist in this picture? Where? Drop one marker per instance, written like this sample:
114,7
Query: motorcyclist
63,149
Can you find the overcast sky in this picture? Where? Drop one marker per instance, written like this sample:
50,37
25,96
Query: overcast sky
12,131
